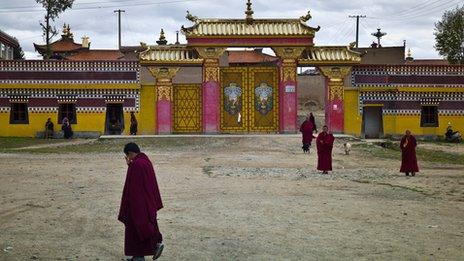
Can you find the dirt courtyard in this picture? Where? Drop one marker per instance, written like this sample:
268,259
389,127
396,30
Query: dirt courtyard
234,198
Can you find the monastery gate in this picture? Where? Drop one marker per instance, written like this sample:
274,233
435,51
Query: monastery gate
243,99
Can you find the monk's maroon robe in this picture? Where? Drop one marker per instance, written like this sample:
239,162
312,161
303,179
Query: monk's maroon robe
307,128
324,151
140,201
408,154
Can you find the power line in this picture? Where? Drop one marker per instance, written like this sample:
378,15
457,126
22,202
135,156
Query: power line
119,11
357,26
421,13
103,7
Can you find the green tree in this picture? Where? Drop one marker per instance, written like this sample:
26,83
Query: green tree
18,53
449,35
53,9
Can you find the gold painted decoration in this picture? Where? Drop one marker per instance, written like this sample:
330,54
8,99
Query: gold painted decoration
336,76
291,53
187,112
211,74
210,52
164,92
288,72
163,74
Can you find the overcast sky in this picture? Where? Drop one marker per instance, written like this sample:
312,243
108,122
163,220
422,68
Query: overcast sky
408,20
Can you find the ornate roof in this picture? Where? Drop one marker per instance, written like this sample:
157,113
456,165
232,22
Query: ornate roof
237,27
333,54
249,26
64,45
166,54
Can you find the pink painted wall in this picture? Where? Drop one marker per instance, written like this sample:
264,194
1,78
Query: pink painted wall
164,117
288,108
334,115
211,107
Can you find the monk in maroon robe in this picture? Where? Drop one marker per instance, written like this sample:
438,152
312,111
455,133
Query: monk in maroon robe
307,128
408,154
140,203
324,142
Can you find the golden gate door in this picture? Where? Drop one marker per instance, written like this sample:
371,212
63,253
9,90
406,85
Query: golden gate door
263,95
249,99
187,108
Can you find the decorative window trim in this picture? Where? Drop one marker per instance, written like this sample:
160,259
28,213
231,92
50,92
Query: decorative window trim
13,112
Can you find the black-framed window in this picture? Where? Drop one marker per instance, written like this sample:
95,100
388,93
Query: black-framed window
67,110
429,116
18,113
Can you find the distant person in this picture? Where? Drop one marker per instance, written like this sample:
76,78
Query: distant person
408,154
115,126
324,142
141,200
48,133
133,124
66,128
307,129
452,136
313,120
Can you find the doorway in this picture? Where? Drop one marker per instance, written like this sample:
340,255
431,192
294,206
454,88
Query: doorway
114,123
372,127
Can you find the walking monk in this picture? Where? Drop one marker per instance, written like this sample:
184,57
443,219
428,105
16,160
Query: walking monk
408,154
307,128
140,202
324,142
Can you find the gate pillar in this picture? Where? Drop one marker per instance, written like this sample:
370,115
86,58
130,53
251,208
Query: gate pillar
288,98
211,88
163,86
334,107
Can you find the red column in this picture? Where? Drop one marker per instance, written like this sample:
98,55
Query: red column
334,105
163,85
288,99
211,96
164,111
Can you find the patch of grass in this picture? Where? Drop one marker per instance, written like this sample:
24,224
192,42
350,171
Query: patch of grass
391,150
208,170
104,145
19,142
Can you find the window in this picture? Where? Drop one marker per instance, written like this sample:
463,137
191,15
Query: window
18,113
429,116
67,110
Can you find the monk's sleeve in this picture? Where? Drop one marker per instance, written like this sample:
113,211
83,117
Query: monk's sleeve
138,206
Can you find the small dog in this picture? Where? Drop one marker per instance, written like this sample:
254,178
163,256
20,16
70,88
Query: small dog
347,147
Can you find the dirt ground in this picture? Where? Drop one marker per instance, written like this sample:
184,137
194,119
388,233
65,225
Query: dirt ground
233,198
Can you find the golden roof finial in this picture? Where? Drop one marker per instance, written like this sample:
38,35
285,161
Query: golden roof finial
306,17
65,29
249,12
191,17
162,38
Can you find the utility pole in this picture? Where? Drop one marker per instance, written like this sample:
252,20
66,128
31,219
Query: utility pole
119,11
357,26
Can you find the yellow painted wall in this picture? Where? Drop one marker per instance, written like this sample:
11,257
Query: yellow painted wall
36,123
352,118
396,124
85,122
89,122
146,118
